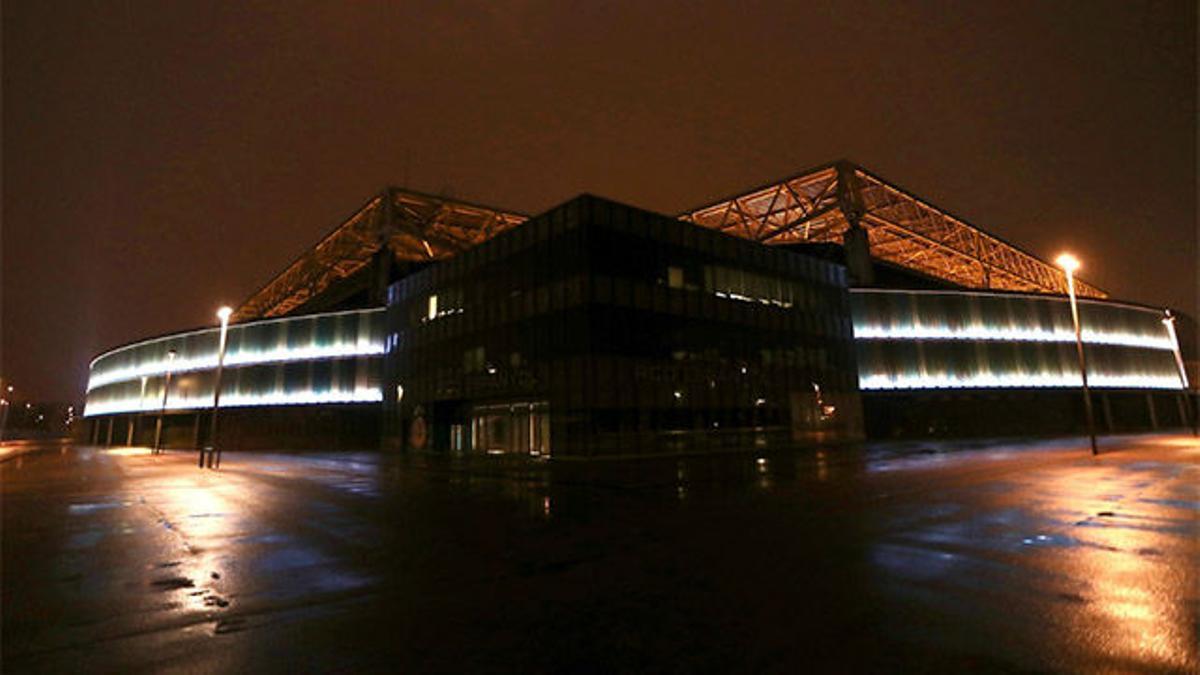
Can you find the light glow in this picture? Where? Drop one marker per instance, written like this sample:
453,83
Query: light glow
244,357
239,400
151,357
1068,262
1015,381
978,332
127,452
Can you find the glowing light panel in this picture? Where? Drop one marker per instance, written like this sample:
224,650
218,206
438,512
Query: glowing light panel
922,339
238,400
873,382
311,337
979,332
244,357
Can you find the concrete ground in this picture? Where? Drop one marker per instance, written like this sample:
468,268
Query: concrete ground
914,558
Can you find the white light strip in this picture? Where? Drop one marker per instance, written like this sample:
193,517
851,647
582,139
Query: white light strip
1015,381
238,358
236,400
745,298
983,333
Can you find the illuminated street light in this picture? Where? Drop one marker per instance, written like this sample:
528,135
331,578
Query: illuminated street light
1169,322
1069,264
213,460
163,408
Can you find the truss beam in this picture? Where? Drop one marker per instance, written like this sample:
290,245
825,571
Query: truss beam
903,229
413,226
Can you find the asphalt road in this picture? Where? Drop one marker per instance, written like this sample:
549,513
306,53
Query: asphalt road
918,558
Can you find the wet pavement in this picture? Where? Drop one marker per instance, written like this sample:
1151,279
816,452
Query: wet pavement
919,557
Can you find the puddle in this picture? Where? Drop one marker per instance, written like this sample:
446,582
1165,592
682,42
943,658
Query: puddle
172,583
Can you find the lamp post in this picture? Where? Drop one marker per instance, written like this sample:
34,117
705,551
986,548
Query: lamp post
4,406
1069,264
213,461
133,419
163,408
1169,322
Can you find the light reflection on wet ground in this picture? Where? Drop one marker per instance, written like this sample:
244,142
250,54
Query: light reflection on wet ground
900,557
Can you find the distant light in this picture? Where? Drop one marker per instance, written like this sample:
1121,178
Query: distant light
433,308
678,394
760,401
1068,262
399,393
224,313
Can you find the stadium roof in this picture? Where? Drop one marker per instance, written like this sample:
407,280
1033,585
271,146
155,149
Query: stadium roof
818,205
415,226
815,206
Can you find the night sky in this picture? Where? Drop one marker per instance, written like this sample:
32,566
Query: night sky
163,158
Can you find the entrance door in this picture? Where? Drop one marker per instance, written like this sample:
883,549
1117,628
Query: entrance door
521,428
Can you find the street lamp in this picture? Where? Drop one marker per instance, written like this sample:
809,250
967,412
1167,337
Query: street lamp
1169,322
162,409
134,418
1069,264
213,461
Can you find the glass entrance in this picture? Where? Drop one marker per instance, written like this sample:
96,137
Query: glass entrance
511,428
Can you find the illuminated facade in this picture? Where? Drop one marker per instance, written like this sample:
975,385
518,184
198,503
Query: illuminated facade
321,360
984,363
597,329
969,340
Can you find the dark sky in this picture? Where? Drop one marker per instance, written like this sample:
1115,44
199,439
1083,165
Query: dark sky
163,158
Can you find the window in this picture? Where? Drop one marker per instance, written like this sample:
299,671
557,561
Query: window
675,277
473,360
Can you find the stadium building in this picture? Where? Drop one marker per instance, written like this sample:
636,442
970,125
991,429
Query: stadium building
822,308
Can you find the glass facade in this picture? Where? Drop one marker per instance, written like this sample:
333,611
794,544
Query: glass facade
622,332
974,340
313,359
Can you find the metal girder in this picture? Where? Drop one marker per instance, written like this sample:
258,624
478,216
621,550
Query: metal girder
412,225
811,207
903,229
